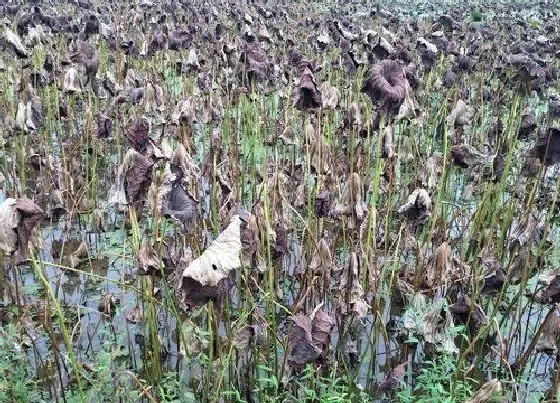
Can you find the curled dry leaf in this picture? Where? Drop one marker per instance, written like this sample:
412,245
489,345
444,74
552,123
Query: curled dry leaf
386,84
148,262
133,180
351,204
550,294
387,145
18,219
486,392
351,297
550,336
460,115
417,208
181,206
441,267
465,314
134,315
302,349
321,262
395,376
466,156
138,134
547,147
104,126
321,158
71,82
15,41
308,338
108,304
306,94
431,171
330,95
206,278
184,111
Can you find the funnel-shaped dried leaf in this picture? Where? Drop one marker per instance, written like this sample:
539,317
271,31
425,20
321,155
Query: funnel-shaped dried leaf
466,156
386,84
306,94
138,134
34,113
322,326
250,235
431,171
321,262
148,262
351,298
465,314
181,159
135,315
15,41
486,392
441,267
417,208
133,180
528,123
460,115
351,204
71,81
184,111
393,378
302,349
192,60
330,95
550,336
18,218
104,126
256,62
108,304
547,147
206,278
551,292
181,206
387,145
321,158
308,337
86,54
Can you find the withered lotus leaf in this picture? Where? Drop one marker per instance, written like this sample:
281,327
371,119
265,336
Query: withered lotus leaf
134,177
460,115
18,218
148,262
15,41
466,156
307,95
208,277
393,379
487,392
442,265
104,126
351,204
550,335
417,208
386,84
181,206
71,82
547,147
321,262
302,349
465,314
86,54
330,95
138,134
308,337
